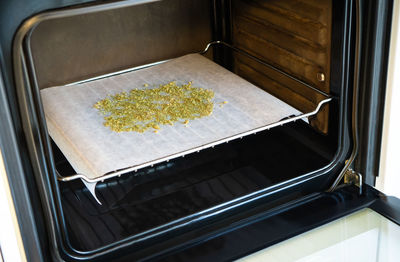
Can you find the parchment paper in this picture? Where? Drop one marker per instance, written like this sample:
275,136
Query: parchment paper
94,150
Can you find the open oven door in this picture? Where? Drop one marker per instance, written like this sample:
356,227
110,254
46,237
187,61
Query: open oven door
329,226
252,225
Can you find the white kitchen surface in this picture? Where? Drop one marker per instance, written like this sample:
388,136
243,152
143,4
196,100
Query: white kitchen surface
388,180
364,236
11,246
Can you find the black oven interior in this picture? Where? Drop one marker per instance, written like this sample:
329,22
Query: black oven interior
303,39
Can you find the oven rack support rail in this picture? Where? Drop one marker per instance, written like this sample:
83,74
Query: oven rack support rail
91,183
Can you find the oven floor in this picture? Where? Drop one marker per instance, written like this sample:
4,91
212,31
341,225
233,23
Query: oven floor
154,196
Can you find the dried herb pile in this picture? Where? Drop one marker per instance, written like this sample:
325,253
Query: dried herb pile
142,109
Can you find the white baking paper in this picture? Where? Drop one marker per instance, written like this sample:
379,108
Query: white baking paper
94,150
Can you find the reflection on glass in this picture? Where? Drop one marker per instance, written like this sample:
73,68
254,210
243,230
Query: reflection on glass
363,236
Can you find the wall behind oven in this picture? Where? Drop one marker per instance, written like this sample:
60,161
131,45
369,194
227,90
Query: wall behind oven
389,176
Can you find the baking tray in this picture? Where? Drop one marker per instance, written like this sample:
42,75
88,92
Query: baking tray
96,153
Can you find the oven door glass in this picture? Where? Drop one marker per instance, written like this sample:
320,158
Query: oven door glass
362,236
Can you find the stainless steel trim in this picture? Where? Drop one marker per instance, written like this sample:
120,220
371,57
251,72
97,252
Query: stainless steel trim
118,72
355,102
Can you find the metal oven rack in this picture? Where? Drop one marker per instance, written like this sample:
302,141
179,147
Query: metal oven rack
91,183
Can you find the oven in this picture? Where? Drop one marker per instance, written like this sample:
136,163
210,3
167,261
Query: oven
160,129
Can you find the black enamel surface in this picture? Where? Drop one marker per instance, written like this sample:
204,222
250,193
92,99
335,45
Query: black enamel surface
154,196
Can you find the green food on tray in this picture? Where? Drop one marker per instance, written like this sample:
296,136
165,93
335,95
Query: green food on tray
142,109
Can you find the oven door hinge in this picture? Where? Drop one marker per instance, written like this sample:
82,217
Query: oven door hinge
354,178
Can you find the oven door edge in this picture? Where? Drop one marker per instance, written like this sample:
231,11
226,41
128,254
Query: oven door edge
260,232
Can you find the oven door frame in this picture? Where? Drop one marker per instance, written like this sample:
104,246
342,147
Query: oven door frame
33,193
